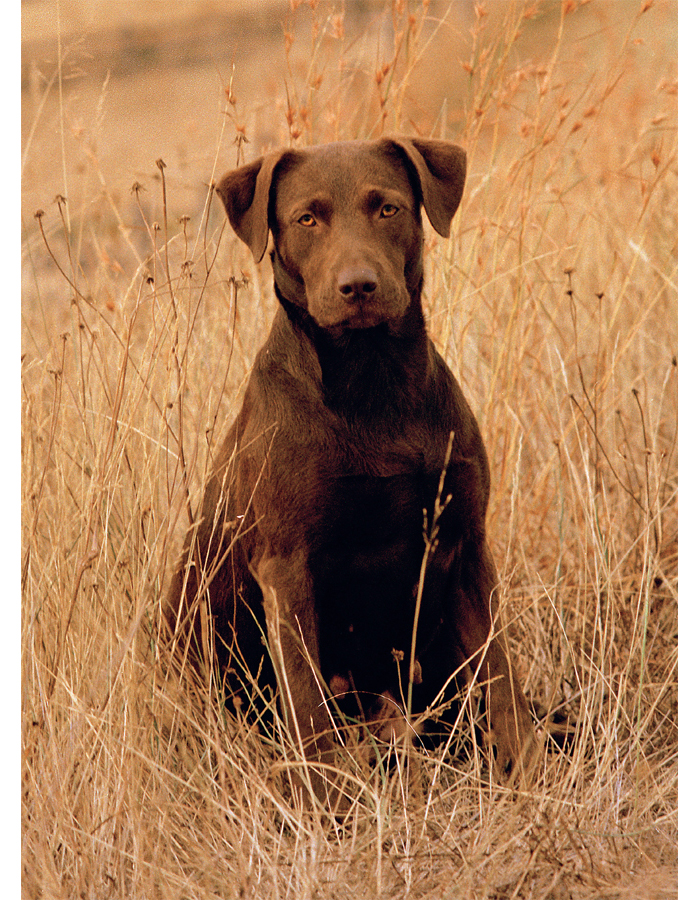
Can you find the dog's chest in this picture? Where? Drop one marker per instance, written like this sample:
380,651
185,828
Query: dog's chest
365,561
369,531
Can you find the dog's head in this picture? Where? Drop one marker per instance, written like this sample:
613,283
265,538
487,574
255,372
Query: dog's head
346,224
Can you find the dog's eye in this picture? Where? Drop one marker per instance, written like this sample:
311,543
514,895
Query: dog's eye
388,210
307,220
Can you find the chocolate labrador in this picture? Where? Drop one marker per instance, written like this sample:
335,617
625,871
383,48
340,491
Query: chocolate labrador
341,545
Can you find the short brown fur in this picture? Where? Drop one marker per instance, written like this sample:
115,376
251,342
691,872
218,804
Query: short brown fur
312,523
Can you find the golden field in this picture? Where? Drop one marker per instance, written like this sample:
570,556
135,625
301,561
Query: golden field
555,303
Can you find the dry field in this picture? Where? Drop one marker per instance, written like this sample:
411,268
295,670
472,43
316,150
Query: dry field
555,302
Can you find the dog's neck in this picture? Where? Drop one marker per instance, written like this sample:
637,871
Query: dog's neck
368,372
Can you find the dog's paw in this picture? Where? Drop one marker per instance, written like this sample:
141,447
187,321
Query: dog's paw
516,749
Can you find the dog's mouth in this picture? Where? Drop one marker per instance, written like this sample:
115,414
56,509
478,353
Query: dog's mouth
369,328
366,317
343,332
362,317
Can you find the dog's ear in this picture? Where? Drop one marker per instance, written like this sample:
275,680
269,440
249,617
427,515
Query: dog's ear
245,193
441,168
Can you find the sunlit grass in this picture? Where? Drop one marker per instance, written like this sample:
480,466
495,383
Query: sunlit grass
554,301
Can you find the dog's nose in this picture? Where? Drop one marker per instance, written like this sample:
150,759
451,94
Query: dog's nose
357,282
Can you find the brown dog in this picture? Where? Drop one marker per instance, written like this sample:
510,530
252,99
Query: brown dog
324,495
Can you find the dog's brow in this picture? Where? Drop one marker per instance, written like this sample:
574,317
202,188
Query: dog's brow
319,204
374,195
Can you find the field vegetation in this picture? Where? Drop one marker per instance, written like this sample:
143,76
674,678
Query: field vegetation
554,301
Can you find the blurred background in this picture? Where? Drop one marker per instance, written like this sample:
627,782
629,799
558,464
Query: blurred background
124,83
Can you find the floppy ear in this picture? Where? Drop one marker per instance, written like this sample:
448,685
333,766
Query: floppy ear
441,168
245,193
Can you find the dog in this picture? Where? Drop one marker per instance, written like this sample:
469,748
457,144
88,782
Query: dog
341,546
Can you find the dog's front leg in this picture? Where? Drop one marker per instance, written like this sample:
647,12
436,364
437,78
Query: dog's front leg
292,633
479,633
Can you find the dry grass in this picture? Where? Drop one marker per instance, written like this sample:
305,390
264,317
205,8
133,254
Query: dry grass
554,301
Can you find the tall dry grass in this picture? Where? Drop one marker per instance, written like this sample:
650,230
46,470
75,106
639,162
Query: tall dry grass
555,303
